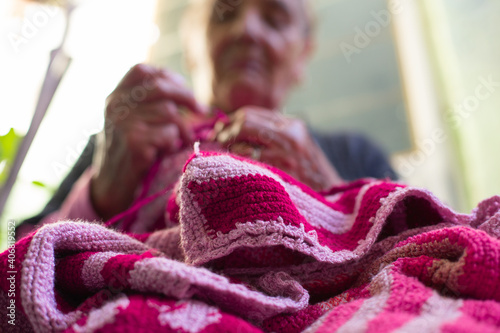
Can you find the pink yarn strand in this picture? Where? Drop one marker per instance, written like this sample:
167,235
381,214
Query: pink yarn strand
139,204
146,186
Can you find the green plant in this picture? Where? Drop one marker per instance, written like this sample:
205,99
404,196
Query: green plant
8,148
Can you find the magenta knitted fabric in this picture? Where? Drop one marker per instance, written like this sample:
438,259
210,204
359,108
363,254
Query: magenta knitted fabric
256,251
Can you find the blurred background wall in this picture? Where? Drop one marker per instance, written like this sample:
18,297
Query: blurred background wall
420,77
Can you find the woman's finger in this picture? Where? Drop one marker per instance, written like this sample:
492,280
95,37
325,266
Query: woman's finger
164,89
138,75
146,84
165,138
255,133
186,133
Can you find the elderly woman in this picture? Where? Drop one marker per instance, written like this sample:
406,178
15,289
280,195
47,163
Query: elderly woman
251,54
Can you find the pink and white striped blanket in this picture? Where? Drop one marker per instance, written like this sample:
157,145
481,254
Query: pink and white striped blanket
256,251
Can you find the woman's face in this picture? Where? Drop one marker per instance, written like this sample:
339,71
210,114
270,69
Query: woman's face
258,50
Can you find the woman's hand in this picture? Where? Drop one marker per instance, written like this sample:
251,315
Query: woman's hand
142,122
280,141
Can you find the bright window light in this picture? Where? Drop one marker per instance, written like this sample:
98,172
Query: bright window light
106,38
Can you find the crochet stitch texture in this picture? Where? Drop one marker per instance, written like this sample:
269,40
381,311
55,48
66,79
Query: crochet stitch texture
257,251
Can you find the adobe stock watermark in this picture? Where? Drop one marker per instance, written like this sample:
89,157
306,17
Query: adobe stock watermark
364,36
454,118
11,272
31,26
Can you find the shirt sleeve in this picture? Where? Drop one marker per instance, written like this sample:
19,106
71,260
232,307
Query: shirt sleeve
354,156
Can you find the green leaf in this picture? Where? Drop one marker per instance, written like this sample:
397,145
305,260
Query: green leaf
8,149
39,184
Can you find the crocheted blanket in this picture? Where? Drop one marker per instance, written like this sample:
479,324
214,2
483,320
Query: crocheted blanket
257,251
